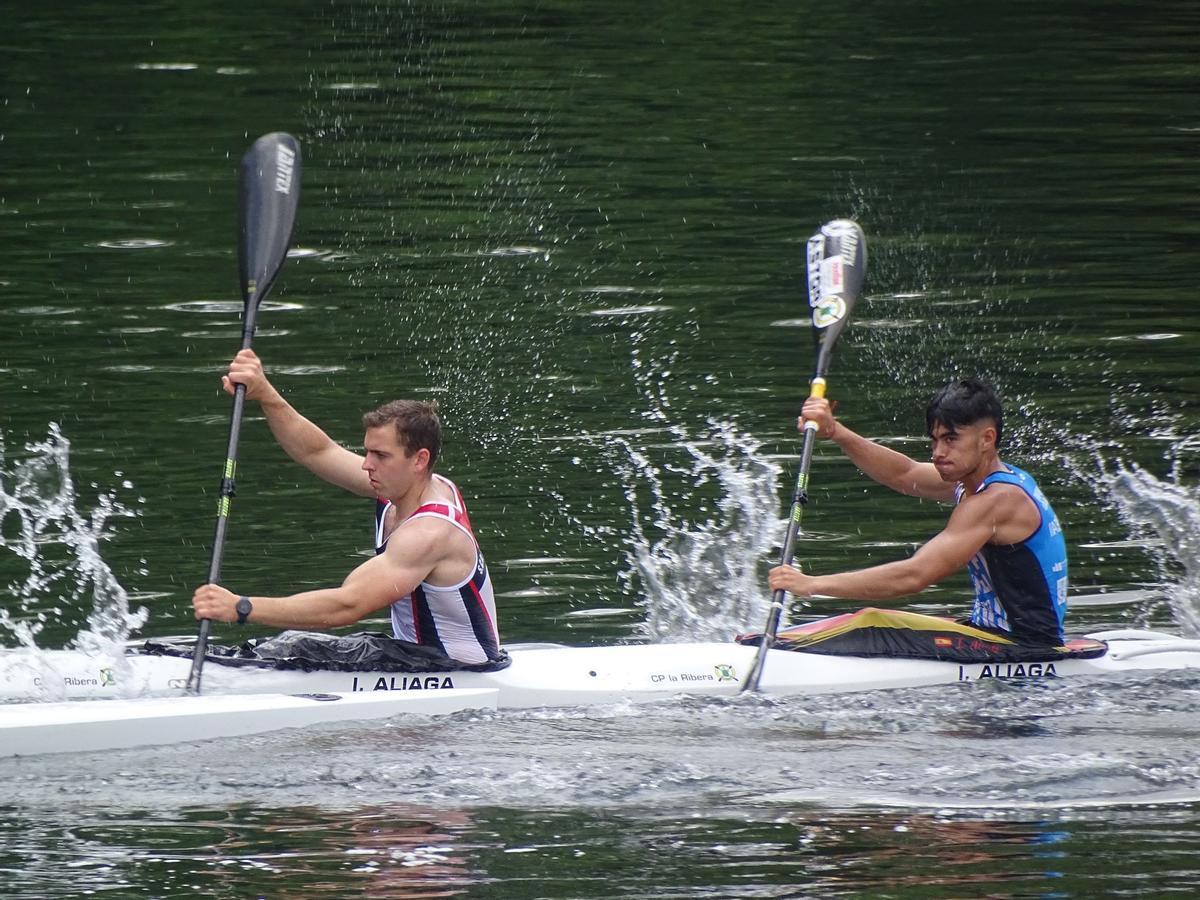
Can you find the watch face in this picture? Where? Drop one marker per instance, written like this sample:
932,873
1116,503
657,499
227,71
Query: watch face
243,608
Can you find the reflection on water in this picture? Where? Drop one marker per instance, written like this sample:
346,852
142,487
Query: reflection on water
409,851
395,851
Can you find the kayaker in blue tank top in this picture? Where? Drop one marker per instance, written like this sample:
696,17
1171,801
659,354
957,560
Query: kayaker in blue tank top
1002,529
1022,588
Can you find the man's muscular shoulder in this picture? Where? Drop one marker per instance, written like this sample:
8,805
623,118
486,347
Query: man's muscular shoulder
1013,514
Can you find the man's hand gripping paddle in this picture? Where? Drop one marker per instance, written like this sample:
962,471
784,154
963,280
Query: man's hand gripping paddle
268,194
837,266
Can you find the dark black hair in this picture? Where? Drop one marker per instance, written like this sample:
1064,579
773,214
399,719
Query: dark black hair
965,402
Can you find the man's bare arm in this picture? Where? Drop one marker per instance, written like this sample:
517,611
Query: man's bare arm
889,467
372,586
300,438
971,526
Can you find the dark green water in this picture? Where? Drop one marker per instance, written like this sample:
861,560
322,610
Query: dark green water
580,228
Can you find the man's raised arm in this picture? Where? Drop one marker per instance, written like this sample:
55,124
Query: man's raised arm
300,438
889,467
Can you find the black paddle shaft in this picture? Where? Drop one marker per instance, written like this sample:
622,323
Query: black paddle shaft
837,267
268,196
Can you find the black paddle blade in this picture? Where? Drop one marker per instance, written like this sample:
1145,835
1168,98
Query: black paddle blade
837,267
268,194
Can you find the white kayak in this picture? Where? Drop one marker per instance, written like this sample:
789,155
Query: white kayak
27,729
554,675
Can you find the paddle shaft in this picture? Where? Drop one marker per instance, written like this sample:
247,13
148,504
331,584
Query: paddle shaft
795,518
269,192
224,500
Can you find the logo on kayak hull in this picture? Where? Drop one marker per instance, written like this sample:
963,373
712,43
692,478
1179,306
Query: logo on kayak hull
105,678
722,673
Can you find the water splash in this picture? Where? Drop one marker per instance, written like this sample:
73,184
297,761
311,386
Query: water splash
57,547
1170,511
700,526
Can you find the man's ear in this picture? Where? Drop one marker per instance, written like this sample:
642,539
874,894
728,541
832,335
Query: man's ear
423,456
989,436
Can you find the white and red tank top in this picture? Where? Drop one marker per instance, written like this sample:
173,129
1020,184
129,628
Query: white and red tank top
459,619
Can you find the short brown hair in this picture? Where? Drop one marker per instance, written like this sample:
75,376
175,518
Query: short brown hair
417,425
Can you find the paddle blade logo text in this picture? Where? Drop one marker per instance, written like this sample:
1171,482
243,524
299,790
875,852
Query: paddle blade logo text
285,165
816,252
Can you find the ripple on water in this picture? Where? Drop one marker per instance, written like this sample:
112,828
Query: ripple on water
307,253
1153,336
825,536
630,310
309,370
223,329
138,329
229,307
1114,545
962,301
517,250
530,592
44,310
600,613
617,289
133,244
890,324
540,561
1114,598
167,66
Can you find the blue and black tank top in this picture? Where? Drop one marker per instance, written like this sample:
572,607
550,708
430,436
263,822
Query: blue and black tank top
1022,588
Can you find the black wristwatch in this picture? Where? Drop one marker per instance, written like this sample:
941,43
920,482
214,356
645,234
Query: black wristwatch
244,607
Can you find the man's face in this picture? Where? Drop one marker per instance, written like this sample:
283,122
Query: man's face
389,465
959,450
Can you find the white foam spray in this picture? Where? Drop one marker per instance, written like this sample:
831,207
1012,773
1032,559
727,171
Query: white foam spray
1168,510
704,515
57,549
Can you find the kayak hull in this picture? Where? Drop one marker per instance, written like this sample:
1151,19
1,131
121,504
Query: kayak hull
551,675
80,725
